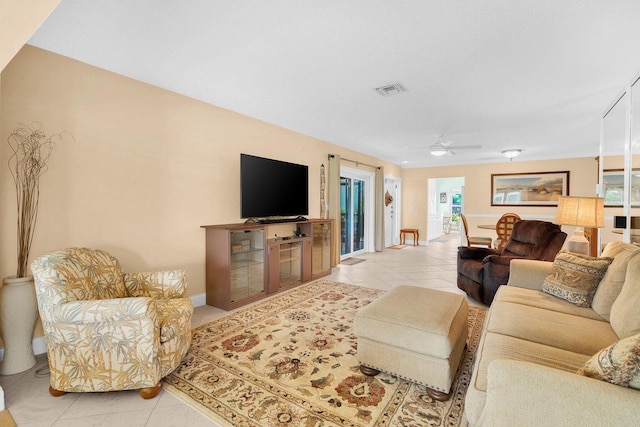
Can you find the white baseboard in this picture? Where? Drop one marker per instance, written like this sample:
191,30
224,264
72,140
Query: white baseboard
199,300
40,346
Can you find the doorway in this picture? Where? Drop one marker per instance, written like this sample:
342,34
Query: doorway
356,212
446,203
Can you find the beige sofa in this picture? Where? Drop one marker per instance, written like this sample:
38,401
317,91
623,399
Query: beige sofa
533,345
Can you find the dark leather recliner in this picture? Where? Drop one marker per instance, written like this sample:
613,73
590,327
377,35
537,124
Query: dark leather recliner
482,270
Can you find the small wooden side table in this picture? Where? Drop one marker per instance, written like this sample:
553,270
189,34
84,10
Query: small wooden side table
405,231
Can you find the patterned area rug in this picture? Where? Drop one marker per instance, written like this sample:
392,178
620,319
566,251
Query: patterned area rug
291,361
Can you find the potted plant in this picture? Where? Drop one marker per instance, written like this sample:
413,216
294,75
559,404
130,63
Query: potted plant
31,150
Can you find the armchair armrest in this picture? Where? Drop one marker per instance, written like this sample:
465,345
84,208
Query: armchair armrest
529,273
500,259
106,310
157,284
526,394
474,252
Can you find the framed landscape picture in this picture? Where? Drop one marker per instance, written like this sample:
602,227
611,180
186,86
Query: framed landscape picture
529,188
613,187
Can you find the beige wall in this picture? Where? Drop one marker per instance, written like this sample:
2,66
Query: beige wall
148,167
477,192
19,20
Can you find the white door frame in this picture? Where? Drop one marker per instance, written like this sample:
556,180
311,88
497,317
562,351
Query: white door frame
392,230
369,201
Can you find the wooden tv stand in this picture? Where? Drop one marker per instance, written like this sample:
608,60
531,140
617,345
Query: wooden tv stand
248,262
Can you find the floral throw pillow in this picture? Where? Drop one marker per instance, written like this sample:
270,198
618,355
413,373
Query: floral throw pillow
575,277
617,364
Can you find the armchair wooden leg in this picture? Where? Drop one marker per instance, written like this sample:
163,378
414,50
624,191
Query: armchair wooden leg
150,392
55,393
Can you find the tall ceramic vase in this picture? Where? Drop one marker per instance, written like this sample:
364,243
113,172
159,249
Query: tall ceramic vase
18,315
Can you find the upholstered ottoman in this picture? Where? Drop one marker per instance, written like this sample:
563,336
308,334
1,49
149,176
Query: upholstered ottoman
414,333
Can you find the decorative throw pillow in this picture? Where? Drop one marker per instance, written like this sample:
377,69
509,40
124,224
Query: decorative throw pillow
617,364
575,277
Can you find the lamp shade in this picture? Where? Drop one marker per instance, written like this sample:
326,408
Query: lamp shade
580,211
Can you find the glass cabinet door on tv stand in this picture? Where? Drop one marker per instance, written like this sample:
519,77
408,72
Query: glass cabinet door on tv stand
235,265
285,265
246,264
321,265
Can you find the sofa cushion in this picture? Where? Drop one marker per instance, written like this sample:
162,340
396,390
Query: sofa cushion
625,311
572,333
611,284
535,298
617,364
498,346
575,277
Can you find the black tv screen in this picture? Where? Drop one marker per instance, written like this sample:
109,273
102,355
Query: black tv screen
272,188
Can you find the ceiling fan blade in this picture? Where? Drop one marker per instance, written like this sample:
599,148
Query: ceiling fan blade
468,147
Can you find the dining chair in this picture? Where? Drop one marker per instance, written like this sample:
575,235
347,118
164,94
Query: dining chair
446,224
504,228
471,240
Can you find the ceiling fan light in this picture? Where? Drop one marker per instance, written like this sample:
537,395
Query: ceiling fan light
438,150
510,154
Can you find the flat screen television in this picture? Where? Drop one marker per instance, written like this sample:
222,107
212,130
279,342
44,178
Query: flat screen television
272,188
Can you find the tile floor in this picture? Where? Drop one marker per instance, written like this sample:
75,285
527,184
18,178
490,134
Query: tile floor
27,396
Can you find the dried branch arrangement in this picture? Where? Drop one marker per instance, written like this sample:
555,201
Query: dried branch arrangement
31,152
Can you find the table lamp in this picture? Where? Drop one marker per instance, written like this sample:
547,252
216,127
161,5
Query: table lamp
580,212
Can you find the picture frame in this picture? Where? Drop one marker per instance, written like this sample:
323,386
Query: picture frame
613,188
443,197
529,188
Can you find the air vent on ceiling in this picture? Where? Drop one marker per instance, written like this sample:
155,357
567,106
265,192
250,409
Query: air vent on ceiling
389,90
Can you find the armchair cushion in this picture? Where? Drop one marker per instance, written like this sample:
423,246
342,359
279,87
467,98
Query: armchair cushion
157,284
105,310
83,274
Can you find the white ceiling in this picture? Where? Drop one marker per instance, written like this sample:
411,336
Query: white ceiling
535,75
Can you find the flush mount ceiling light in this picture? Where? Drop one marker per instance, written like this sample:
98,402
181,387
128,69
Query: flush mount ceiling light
510,154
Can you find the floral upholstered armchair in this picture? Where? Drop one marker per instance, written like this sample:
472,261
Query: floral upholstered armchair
108,330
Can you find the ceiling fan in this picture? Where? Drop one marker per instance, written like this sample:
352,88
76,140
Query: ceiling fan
440,148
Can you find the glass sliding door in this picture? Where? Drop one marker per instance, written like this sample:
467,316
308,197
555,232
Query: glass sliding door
352,215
